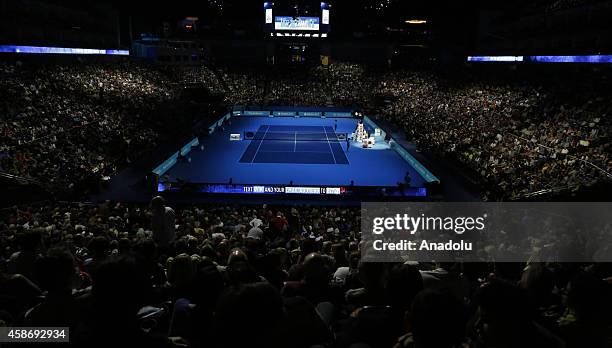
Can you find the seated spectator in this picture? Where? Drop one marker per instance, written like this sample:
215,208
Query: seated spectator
315,282
23,261
58,274
587,322
17,294
373,275
256,311
506,319
437,320
119,289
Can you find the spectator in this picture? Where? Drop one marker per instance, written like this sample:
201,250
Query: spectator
437,320
58,277
162,223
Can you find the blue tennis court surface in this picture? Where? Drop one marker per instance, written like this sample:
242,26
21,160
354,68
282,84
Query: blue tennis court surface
284,150
295,144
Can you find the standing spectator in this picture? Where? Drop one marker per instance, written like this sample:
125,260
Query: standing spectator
162,223
280,223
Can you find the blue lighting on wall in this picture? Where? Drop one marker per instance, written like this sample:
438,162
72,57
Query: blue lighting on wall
584,59
594,59
495,58
59,50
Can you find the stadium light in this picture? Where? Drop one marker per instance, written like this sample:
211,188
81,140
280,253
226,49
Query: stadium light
416,21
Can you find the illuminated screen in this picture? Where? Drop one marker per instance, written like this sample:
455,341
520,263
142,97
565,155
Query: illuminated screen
495,58
572,59
59,50
325,17
593,59
268,16
296,23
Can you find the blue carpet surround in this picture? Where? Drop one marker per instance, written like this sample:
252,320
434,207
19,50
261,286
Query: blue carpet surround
298,150
295,144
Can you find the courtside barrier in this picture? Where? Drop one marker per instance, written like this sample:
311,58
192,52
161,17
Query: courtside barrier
167,164
217,124
426,174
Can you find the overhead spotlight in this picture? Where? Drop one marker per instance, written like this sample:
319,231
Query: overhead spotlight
416,21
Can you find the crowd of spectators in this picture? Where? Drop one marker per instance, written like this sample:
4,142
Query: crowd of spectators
339,84
519,138
67,124
273,276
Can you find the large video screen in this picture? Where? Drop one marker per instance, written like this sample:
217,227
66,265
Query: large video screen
296,23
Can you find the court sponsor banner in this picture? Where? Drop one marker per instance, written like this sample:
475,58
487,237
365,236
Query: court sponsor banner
334,114
310,114
284,113
187,148
303,190
487,232
256,113
167,164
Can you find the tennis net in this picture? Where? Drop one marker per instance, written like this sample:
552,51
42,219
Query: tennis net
295,136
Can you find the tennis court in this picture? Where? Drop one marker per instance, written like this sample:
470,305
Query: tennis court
283,150
295,144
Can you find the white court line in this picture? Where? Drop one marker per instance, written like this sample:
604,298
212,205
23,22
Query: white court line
260,142
294,141
330,148
296,152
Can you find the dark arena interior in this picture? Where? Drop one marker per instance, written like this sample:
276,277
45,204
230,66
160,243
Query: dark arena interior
300,173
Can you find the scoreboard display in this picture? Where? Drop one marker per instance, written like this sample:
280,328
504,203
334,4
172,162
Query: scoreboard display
280,22
296,23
